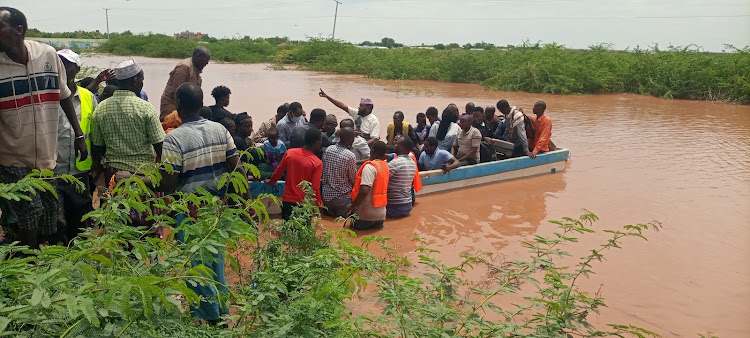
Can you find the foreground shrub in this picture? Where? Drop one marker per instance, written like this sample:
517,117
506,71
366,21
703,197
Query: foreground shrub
294,279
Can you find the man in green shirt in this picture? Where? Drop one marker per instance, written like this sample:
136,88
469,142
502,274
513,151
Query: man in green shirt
125,129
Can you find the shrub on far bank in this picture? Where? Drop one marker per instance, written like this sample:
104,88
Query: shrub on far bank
679,73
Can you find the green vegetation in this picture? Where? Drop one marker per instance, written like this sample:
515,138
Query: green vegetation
294,279
673,73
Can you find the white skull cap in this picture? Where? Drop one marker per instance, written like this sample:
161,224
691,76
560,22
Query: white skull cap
127,69
70,56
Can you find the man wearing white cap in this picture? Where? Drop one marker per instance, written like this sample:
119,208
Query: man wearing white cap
73,204
28,125
188,70
125,128
364,119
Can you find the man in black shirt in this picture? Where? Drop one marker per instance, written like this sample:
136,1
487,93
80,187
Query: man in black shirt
218,113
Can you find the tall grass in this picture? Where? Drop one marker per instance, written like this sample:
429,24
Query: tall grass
679,73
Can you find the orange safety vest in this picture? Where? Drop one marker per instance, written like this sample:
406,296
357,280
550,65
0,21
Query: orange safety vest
417,183
379,187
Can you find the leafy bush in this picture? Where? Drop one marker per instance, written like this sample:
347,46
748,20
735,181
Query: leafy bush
294,278
680,73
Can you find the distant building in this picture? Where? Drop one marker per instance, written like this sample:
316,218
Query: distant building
190,35
62,43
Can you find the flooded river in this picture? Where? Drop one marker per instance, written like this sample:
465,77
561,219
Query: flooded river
634,159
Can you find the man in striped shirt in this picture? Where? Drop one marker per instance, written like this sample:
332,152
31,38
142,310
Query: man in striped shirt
402,169
200,151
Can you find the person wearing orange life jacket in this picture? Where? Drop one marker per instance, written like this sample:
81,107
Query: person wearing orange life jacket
370,192
72,203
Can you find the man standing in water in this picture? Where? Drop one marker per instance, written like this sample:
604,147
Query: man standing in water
370,192
300,164
402,170
200,151
28,124
364,119
187,70
339,172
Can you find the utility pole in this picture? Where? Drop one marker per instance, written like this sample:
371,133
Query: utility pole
106,14
335,16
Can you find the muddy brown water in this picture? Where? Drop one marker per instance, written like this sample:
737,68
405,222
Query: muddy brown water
634,159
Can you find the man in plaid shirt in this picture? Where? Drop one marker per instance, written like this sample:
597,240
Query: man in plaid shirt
125,129
339,173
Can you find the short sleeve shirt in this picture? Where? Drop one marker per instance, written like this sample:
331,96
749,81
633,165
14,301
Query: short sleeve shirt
370,124
198,150
128,127
466,140
366,211
402,170
435,161
339,172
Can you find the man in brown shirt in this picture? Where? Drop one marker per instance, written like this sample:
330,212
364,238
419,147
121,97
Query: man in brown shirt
188,70
467,143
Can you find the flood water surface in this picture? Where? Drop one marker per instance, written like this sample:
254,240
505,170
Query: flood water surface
635,159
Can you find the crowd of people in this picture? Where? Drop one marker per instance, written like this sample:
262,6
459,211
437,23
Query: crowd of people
103,129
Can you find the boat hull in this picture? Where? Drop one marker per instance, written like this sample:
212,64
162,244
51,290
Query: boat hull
490,172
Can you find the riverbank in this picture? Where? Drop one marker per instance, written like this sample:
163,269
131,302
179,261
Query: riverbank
552,69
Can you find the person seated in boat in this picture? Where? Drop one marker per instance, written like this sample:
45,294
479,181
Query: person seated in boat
434,158
403,177
486,149
242,131
469,109
542,130
329,127
370,192
513,129
490,119
218,112
422,131
445,130
228,124
399,127
274,148
467,143
432,116
360,148
365,120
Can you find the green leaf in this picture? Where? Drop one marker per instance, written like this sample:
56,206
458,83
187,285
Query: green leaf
4,323
36,297
87,307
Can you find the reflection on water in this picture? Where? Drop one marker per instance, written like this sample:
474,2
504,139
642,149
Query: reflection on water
635,159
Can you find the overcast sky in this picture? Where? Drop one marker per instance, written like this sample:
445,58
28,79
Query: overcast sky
574,23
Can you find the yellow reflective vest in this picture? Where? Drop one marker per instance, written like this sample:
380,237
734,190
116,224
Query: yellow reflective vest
87,111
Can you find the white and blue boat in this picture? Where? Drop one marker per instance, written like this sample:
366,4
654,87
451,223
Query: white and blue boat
480,174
